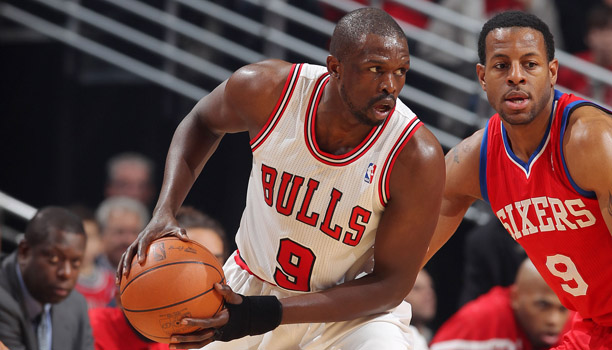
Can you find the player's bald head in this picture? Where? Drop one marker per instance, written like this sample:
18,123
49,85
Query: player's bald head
528,277
353,28
537,309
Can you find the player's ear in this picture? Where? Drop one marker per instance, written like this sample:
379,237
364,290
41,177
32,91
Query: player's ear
333,66
514,297
480,72
553,68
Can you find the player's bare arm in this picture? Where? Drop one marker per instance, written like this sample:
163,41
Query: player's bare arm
588,153
461,190
242,103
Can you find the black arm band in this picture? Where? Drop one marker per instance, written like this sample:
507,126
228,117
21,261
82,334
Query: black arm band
255,315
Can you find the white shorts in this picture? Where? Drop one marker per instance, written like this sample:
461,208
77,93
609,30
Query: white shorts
389,331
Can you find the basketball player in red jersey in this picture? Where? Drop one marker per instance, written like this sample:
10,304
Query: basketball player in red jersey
544,164
341,169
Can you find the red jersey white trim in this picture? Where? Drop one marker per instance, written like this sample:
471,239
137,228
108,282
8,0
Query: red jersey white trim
559,224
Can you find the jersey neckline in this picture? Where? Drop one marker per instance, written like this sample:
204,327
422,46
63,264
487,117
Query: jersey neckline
527,166
310,138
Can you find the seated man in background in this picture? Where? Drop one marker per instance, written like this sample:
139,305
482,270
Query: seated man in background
525,316
38,307
204,230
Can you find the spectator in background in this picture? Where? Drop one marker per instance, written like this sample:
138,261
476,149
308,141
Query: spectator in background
38,307
204,230
599,42
121,219
96,283
492,258
422,298
525,316
131,175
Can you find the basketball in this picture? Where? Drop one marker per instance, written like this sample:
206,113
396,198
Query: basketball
176,281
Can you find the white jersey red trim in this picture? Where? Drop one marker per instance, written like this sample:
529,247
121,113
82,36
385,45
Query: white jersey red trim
311,217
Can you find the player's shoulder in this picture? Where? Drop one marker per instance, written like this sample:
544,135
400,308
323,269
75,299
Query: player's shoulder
468,149
588,126
268,73
253,90
462,167
587,147
422,147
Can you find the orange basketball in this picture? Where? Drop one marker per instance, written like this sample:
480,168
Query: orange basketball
176,281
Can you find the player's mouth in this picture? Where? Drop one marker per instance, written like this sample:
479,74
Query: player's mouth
383,108
549,338
516,100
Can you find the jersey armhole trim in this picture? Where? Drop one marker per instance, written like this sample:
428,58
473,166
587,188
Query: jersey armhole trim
281,104
482,171
565,119
383,188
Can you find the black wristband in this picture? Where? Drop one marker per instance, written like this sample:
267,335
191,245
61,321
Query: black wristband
255,315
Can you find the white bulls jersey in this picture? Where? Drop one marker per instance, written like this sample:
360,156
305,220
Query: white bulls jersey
311,217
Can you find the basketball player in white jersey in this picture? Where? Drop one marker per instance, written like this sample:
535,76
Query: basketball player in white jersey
342,171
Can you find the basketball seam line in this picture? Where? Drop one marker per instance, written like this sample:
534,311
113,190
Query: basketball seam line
171,305
168,264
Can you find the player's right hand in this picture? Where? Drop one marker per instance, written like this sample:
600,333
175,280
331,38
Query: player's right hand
161,225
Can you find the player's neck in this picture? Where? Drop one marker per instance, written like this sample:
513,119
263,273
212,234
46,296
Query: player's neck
335,136
337,130
525,139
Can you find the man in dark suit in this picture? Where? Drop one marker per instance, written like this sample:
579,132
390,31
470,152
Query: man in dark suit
38,308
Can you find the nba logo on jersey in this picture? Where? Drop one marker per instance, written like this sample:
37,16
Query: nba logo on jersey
369,175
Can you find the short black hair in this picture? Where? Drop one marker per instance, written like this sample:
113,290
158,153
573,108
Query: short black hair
355,25
50,219
509,19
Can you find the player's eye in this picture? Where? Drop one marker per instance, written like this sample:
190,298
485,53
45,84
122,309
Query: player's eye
400,71
374,69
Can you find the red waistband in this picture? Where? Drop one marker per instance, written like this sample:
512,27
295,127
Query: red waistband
245,267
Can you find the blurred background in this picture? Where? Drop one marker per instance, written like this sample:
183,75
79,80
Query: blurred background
83,81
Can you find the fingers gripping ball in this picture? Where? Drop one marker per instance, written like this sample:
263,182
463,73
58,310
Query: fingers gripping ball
176,281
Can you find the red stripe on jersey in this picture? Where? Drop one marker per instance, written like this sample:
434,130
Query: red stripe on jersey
383,184
281,104
238,259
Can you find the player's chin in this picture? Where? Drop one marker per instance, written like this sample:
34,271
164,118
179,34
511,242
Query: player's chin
376,118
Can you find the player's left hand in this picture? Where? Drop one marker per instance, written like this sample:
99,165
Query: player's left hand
242,316
209,327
